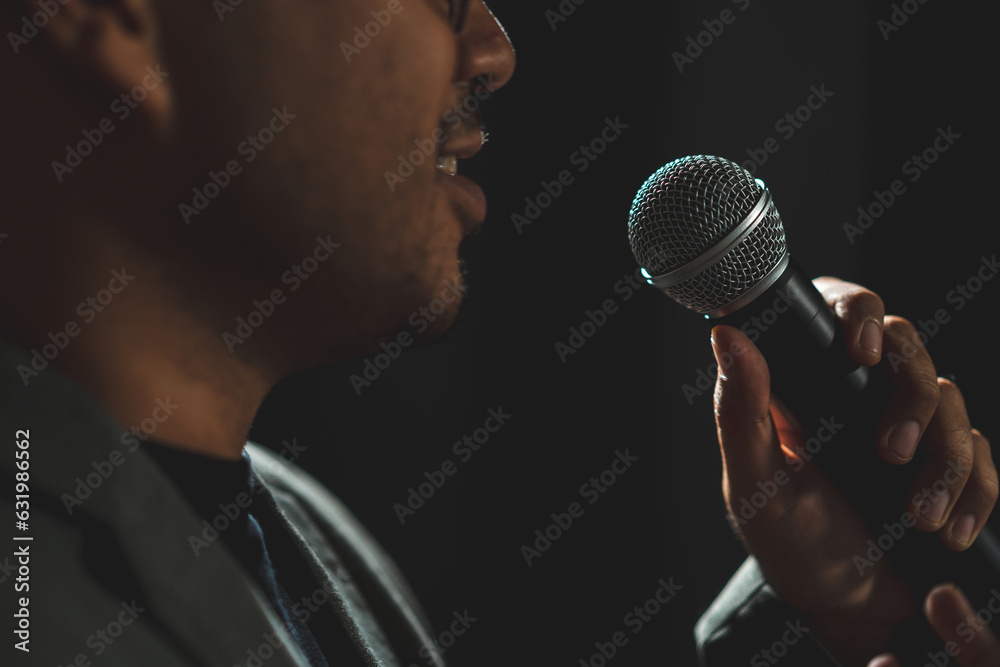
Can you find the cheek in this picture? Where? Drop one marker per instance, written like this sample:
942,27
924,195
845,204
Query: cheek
408,238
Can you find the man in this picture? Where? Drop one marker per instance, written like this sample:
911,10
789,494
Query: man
189,266
164,225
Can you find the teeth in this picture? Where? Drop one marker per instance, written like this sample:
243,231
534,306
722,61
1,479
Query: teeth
448,164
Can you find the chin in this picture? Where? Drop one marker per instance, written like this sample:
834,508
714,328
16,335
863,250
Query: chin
438,312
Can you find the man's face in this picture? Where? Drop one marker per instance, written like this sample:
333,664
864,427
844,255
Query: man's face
333,111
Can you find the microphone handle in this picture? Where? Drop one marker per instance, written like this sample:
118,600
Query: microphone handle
839,405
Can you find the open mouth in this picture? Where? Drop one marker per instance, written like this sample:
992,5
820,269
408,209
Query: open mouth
468,197
460,145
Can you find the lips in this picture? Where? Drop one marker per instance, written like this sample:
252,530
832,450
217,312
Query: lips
463,144
467,197
468,202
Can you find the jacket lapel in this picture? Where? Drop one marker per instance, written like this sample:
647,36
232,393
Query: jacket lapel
200,597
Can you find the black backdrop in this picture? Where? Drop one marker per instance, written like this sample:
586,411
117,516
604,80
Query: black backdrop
664,518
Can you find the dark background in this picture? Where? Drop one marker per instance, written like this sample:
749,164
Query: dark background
665,517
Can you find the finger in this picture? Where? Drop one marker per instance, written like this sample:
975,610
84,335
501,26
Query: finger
885,660
950,461
977,500
916,393
791,435
750,449
861,314
954,620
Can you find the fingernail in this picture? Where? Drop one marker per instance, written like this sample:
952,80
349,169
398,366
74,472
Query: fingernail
963,528
871,337
937,507
903,440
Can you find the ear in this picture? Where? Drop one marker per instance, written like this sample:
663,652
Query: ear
112,45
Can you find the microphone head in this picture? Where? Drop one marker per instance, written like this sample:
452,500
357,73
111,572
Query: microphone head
707,233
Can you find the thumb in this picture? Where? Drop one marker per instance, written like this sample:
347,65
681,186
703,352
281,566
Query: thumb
750,449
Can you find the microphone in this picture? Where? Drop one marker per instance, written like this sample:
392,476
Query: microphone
709,235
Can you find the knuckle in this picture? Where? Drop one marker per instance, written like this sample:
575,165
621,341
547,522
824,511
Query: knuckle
859,304
960,464
925,394
961,444
901,336
869,302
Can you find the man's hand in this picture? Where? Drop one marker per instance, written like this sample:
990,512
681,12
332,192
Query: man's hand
954,621
806,537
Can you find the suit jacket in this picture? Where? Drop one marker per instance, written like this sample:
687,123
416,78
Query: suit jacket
748,623
109,575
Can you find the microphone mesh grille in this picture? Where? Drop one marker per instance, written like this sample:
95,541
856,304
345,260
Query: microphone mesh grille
685,209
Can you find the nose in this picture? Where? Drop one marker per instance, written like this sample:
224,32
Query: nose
484,48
